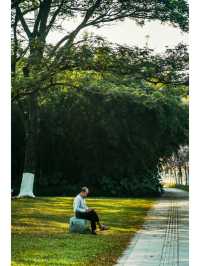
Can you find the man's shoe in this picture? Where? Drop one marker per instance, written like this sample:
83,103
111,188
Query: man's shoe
104,227
94,233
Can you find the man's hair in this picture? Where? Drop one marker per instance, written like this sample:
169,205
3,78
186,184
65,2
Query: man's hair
84,189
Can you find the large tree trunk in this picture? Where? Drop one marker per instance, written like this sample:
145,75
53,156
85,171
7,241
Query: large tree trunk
31,135
32,127
37,41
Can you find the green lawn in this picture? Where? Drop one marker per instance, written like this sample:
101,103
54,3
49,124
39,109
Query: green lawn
40,231
183,187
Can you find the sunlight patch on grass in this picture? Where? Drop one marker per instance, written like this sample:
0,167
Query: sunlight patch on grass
40,231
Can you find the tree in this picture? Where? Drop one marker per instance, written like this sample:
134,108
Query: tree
177,165
40,62
110,136
17,148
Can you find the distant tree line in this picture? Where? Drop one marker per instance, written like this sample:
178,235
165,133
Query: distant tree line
175,169
110,139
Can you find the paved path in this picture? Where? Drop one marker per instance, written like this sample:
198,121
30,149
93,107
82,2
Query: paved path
164,238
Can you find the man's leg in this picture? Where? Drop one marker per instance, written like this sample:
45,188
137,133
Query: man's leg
89,216
95,217
93,226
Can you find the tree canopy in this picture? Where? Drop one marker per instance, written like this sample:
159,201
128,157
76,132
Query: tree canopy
33,20
90,110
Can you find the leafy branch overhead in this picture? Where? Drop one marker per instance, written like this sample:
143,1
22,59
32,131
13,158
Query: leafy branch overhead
49,14
117,64
137,63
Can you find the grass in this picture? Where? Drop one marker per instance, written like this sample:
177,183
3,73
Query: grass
40,231
183,187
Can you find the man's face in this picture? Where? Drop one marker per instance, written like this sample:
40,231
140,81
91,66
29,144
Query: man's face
84,194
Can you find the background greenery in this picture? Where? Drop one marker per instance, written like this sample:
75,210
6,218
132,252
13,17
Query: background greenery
110,138
89,112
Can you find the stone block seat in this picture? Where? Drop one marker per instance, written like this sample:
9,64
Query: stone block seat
80,226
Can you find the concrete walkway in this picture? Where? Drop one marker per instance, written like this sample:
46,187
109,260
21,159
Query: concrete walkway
164,238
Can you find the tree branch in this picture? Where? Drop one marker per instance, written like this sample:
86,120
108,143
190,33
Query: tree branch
183,82
37,21
70,37
14,58
15,3
45,8
23,22
23,53
54,17
29,93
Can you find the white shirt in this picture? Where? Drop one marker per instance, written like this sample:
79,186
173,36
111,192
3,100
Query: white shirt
79,204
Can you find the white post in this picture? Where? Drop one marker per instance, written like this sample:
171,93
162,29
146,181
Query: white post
26,189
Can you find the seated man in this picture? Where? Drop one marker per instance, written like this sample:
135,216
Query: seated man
83,212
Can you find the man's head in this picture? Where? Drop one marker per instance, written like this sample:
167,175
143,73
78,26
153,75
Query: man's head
84,192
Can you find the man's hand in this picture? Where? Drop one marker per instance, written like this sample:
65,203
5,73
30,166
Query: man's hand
89,210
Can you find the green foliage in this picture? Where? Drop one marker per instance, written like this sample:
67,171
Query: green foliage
106,125
110,139
29,36
130,64
108,119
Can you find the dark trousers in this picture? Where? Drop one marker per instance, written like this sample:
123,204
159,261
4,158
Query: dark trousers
91,216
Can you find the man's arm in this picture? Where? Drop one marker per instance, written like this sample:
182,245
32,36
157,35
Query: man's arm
77,204
87,208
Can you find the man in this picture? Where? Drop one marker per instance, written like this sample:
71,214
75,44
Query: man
82,211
